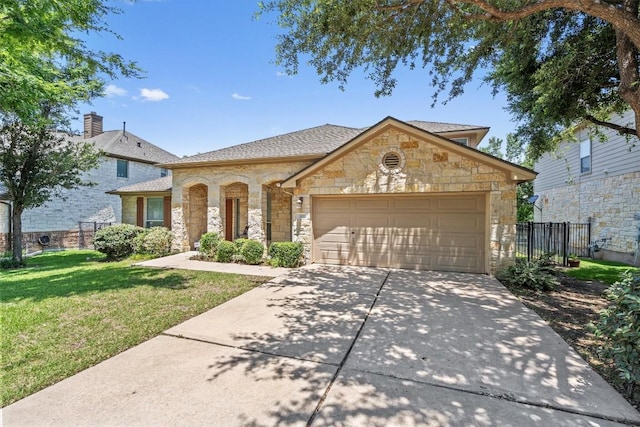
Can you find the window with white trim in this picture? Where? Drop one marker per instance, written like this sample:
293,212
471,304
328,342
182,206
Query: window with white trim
585,156
163,172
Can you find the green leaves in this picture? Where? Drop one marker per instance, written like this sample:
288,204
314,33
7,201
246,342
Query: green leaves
558,65
620,325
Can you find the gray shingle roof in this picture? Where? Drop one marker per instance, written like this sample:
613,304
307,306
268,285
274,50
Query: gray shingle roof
319,140
313,141
119,144
159,184
438,127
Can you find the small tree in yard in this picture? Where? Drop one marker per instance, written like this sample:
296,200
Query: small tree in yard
36,166
46,70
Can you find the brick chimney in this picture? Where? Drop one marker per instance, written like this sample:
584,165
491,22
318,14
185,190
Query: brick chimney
92,125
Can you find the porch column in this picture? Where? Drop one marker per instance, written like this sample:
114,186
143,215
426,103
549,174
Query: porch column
255,220
214,219
178,220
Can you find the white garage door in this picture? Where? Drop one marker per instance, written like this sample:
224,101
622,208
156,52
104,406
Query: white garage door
444,233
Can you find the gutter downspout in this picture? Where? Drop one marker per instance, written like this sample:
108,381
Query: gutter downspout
10,224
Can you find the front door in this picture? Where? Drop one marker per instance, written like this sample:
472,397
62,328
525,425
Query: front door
228,220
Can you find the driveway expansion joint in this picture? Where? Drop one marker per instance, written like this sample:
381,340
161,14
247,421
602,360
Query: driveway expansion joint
346,356
507,397
251,350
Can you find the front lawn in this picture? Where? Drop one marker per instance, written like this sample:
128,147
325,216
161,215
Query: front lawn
70,310
604,271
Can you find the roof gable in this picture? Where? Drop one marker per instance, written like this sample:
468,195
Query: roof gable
516,172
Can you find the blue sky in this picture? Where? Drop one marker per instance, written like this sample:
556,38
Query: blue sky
211,82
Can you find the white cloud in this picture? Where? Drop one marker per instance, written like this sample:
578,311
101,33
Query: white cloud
112,90
240,97
154,95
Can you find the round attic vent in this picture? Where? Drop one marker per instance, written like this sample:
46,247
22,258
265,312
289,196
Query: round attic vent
391,161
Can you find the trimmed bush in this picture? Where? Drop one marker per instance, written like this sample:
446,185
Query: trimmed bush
209,244
154,241
286,254
619,324
252,252
116,241
537,275
225,251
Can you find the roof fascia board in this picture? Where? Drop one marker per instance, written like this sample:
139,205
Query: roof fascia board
141,193
262,160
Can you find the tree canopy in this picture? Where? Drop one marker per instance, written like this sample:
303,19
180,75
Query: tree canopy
559,61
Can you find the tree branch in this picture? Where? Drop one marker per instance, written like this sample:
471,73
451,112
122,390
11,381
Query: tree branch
623,130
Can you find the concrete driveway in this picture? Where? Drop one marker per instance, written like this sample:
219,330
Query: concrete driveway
341,346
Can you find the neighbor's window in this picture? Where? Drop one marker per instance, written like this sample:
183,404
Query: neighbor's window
463,141
123,169
585,156
163,172
155,212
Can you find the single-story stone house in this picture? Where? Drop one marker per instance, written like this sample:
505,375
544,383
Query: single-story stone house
399,194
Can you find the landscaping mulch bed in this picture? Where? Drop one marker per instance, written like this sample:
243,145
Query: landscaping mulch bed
568,310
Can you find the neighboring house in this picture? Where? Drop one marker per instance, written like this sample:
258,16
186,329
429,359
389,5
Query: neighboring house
397,194
596,181
128,159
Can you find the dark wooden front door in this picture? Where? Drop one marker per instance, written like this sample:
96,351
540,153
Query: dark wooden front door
228,220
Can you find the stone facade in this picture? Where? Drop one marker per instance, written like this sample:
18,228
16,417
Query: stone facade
88,204
611,204
427,168
249,184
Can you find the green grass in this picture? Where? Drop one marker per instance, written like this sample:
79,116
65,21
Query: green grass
604,271
70,310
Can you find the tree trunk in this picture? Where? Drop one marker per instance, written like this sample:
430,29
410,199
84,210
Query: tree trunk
16,219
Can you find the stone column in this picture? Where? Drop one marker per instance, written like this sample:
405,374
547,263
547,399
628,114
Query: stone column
255,222
178,225
214,220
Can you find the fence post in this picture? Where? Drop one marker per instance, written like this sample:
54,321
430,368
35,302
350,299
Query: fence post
529,239
565,243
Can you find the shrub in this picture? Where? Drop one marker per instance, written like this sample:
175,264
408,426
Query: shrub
116,241
252,251
154,241
286,254
619,325
225,251
537,275
9,263
209,244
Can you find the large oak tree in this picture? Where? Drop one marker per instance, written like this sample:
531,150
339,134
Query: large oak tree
559,61
46,70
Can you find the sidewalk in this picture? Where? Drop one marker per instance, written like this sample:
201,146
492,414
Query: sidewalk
182,261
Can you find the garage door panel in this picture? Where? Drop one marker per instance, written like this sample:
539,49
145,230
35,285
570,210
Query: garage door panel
456,204
426,232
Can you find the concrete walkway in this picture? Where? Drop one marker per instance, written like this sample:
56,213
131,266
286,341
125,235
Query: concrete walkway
183,261
342,346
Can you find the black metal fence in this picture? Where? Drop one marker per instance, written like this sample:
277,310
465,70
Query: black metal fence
556,239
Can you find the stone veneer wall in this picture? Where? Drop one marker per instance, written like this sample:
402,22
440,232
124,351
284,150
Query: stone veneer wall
612,204
255,176
89,204
428,168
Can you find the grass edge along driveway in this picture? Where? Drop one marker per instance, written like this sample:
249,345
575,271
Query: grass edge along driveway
70,310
